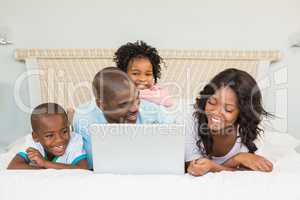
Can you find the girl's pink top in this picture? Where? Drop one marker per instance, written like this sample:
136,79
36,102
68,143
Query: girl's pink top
157,95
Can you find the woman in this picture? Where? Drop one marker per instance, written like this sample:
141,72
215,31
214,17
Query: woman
225,124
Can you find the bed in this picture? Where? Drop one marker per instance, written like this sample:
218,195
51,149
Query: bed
64,76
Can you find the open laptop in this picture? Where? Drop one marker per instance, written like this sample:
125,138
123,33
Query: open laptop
138,149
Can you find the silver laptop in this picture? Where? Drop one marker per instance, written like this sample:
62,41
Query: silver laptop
138,149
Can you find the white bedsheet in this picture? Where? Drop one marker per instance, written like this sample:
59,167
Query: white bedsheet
282,183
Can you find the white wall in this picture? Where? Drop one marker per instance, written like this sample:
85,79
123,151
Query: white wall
255,24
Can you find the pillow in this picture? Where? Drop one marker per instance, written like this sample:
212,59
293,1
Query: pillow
275,145
12,150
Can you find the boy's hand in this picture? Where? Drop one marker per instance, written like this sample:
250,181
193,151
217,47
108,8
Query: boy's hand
35,156
253,162
200,167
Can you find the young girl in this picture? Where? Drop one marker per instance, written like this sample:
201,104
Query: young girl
142,63
224,126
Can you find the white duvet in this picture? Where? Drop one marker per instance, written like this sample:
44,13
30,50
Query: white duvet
282,183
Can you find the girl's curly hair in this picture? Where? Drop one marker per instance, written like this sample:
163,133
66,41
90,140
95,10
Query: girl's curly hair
139,49
249,103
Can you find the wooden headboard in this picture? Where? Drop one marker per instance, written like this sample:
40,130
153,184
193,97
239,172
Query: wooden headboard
64,75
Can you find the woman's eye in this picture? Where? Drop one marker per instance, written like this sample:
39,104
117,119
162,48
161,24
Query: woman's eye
229,110
211,102
49,136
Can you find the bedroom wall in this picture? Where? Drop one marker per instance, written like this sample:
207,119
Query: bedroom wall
190,24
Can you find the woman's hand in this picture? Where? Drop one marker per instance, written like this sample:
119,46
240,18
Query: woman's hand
200,167
251,161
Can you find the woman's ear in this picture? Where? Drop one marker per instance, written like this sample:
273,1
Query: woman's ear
34,136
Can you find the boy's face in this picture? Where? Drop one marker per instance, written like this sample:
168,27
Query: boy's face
123,107
53,134
140,71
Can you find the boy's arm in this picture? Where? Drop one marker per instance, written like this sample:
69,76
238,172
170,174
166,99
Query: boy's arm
82,164
36,157
19,163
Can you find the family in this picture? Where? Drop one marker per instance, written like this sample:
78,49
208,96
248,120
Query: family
220,133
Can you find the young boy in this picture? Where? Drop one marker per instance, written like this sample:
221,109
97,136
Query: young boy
52,144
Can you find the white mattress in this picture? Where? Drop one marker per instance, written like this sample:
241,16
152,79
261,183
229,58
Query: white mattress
282,183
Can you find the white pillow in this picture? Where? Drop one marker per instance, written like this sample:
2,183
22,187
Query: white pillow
276,145
12,150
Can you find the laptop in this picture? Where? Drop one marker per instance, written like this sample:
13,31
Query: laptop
138,148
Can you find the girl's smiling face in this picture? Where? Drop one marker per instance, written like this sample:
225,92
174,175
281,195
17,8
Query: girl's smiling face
222,109
140,71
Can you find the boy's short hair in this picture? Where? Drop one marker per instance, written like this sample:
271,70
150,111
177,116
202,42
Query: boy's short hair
44,110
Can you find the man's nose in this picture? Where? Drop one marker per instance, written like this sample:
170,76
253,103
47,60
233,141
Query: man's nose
134,107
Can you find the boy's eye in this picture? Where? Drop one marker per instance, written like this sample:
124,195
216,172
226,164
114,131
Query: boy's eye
65,131
49,136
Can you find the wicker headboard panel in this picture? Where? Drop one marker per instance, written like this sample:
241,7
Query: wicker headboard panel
65,74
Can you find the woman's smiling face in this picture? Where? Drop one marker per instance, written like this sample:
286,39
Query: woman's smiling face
222,109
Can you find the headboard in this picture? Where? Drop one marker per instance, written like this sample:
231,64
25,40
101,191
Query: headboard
64,75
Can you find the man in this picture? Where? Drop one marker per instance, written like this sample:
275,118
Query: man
116,101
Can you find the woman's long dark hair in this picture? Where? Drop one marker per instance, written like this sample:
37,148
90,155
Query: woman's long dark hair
249,103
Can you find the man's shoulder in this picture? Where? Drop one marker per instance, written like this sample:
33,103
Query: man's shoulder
88,112
86,107
150,105
153,113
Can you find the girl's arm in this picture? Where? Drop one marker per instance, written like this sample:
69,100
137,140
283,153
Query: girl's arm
157,95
